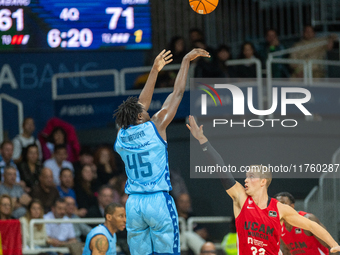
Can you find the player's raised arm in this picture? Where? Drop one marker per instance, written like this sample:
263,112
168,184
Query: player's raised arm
293,218
168,111
234,188
99,245
161,60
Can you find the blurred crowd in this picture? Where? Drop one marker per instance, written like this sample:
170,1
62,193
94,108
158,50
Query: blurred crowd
217,65
53,177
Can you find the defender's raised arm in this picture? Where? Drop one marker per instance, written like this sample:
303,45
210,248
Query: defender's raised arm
234,188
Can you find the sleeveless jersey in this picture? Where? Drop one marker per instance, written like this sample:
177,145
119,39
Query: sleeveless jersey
258,230
101,230
145,156
299,243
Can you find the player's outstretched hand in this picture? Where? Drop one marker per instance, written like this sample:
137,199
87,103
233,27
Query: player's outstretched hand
335,249
197,53
196,131
162,59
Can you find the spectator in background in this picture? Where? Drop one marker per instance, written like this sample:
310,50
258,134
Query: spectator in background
271,45
247,70
195,34
57,132
193,239
5,207
21,141
81,230
66,183
178,49
6,151
107,169
19,198
119,188
105,197
34,211
85,158
30,166
178,185
59,234
208,249
206,67
229,242
223,54
45,191
318,52
58,162
85,189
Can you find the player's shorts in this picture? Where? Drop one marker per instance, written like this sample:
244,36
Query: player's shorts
152,224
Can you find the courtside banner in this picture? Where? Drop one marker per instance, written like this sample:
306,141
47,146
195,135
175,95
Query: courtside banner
10,237
286,127
98,112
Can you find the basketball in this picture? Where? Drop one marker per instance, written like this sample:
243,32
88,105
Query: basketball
203,6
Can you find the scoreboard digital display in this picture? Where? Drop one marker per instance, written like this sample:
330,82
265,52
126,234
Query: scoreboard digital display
27,25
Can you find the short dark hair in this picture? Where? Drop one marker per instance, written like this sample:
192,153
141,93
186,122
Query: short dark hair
59,147
9,167
286,194
111,208
26,119
6,142
127,112
58,200
271,29
63,170
86,150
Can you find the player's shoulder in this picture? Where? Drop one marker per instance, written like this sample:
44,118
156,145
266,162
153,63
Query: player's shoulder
99,242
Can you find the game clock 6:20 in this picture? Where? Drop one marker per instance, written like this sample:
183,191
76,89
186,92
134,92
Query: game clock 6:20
72,25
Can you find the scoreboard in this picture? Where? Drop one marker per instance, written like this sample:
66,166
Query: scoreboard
61,25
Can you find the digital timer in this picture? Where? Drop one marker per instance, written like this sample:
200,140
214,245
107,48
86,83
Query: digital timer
75,38
73,25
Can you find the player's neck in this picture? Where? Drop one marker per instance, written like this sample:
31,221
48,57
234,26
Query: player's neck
261,199
111,229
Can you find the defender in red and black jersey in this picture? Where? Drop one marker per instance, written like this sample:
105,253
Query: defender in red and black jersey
258,217
259,229
297,240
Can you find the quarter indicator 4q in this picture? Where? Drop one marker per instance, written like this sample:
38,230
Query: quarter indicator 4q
74,24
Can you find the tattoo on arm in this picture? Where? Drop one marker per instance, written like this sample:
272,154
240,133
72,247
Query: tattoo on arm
102,245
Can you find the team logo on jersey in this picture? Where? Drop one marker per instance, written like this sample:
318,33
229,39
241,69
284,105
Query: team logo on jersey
272,214
298,231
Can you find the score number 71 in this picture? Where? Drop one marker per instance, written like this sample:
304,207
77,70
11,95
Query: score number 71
117,12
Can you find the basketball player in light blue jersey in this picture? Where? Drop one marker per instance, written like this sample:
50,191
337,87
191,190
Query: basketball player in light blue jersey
152,220
102,239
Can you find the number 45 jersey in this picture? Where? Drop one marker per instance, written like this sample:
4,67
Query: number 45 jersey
145,156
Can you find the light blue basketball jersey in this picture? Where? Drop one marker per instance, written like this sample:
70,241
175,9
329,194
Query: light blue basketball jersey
101,230
145,155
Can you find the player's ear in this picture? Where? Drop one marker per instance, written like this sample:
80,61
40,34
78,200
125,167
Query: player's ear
140,116
263,182
109,217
